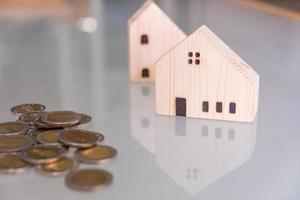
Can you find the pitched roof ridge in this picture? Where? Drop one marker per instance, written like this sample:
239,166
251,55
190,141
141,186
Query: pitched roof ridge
239,64
137,13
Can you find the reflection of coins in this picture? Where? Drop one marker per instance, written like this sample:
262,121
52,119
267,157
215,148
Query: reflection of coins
14,143
13,128
43,154
28,118
96,154
59,167
88,179
12,163
49,137
60,118
78,138
28,108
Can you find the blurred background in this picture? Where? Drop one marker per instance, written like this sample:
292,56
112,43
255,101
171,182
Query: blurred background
72,55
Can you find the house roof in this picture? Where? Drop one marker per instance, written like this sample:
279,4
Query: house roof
238,63
140,11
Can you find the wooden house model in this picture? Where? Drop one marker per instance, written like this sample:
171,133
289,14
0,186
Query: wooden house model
203,78
151,34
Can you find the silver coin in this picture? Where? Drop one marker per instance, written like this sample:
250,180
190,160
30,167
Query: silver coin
43,154
14,143
13,128
60,119
79,138
28,108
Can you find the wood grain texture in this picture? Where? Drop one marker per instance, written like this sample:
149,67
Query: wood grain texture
163,34
222,76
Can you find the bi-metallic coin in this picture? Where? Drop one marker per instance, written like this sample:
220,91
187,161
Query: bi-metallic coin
79,138
43,154
14,143
13,128
49,137
28,108
60,118
12,163
28,118
83,122
97,154
88,179
59,167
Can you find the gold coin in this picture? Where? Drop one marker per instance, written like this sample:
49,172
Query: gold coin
60,118
49,137
58,167
43,154
14,143
78,138
28,118
13,128
88,179
96,154
28,108
12,163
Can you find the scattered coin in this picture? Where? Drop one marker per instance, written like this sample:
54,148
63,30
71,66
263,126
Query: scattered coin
59,167
49,137
43,154
13,128
60,118
78,138
88,179
97,154
14,143
12,163
28,118
28,108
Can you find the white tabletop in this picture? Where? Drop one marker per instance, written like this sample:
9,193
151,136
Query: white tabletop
57,64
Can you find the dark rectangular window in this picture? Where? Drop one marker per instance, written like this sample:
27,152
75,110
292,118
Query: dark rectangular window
145,73
190,54
197,54
190,61
219,107
197,61
232,108
205,106
144,39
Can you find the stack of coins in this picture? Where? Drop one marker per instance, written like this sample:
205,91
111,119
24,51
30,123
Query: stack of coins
42,139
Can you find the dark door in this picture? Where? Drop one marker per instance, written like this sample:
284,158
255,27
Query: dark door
180,107
145,73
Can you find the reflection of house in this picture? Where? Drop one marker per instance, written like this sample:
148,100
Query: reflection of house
142,115
202,77
151,34
196,153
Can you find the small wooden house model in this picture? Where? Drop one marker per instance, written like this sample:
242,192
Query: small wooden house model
203,78
151,34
